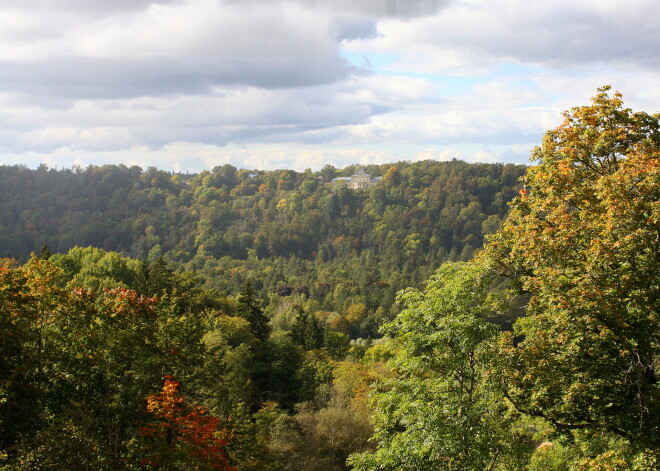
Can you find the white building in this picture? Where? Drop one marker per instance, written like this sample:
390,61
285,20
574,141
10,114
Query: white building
360,181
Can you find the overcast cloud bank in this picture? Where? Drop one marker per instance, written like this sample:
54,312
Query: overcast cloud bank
188,84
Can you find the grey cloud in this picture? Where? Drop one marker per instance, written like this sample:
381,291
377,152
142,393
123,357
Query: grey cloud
88,6
388,8
371,8
112,78
353,28
585,37
298,133
267,47
257,116
564,34
308,118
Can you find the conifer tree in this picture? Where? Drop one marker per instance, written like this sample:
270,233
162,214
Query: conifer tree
249,308
306,330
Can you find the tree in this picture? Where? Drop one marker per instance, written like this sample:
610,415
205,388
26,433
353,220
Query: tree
183,436
439,412
328,172
250,309
154,279
24,356
75,360
582,239
306,330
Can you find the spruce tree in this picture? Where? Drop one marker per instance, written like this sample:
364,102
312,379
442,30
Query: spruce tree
306,330
249,308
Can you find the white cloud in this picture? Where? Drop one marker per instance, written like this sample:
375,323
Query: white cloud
557,34
369,8
483,156
256,83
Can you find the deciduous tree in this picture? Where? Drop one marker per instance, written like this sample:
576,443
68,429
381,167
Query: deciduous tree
583,239
439,412
183,436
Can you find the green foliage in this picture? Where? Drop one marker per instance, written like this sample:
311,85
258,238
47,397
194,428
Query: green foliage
96,269
249,308
306,330
30,299
84,360
321,434
540,354
276,362
278,228
550,456
574,385
337,344
582,240
439,412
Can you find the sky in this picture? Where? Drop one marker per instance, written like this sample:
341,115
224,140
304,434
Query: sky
186,85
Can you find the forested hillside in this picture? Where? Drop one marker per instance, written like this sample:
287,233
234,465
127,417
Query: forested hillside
288,232
225,212
538,353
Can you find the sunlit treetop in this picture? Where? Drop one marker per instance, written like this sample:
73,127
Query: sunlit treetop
583,239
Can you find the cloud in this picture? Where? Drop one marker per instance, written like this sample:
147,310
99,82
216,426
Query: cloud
558,34
373,8
70,78
168,48
483,156
228,115
368,8
185,83
194,157
349,29
77,5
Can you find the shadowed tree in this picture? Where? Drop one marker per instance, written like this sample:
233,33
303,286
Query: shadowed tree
306,330
249,308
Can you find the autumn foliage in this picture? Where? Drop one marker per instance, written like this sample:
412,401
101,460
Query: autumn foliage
582,241
184,436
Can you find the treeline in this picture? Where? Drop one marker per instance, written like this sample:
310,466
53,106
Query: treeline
225,212
293,233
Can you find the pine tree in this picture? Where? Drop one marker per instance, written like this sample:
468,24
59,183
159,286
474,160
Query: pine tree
154,278
45,253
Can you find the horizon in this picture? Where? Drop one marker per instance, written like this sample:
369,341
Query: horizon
355,166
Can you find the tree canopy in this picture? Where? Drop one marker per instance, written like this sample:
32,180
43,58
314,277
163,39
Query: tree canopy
573,384
289,232
583,240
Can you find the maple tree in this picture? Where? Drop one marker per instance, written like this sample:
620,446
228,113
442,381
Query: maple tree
583,239
184,436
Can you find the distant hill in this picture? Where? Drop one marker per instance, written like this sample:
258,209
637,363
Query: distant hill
292,232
